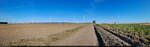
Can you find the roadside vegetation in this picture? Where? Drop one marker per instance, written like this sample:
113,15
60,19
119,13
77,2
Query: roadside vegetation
138,30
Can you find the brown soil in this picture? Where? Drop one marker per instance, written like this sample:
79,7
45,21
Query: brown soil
146,24
83,37
26,31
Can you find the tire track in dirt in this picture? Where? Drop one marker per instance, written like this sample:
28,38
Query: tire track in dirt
110,39
99,37
82,37
125,38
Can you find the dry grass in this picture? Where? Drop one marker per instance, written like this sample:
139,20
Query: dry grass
146,24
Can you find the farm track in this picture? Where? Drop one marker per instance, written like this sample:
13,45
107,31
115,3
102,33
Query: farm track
82,37
110,38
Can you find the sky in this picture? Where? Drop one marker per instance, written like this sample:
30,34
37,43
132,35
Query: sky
103,11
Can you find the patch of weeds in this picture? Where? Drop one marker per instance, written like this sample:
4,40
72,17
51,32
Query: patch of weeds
146,41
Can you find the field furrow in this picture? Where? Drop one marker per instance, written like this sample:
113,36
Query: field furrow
110,39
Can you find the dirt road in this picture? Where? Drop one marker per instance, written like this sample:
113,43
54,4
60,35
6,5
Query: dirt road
83,37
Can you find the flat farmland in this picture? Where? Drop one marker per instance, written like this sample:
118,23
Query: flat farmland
38,34
21,31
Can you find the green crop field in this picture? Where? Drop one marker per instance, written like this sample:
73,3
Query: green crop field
133,28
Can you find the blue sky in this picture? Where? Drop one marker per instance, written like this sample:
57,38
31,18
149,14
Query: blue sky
74,10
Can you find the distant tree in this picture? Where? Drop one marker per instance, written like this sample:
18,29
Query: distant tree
94,21
3,22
